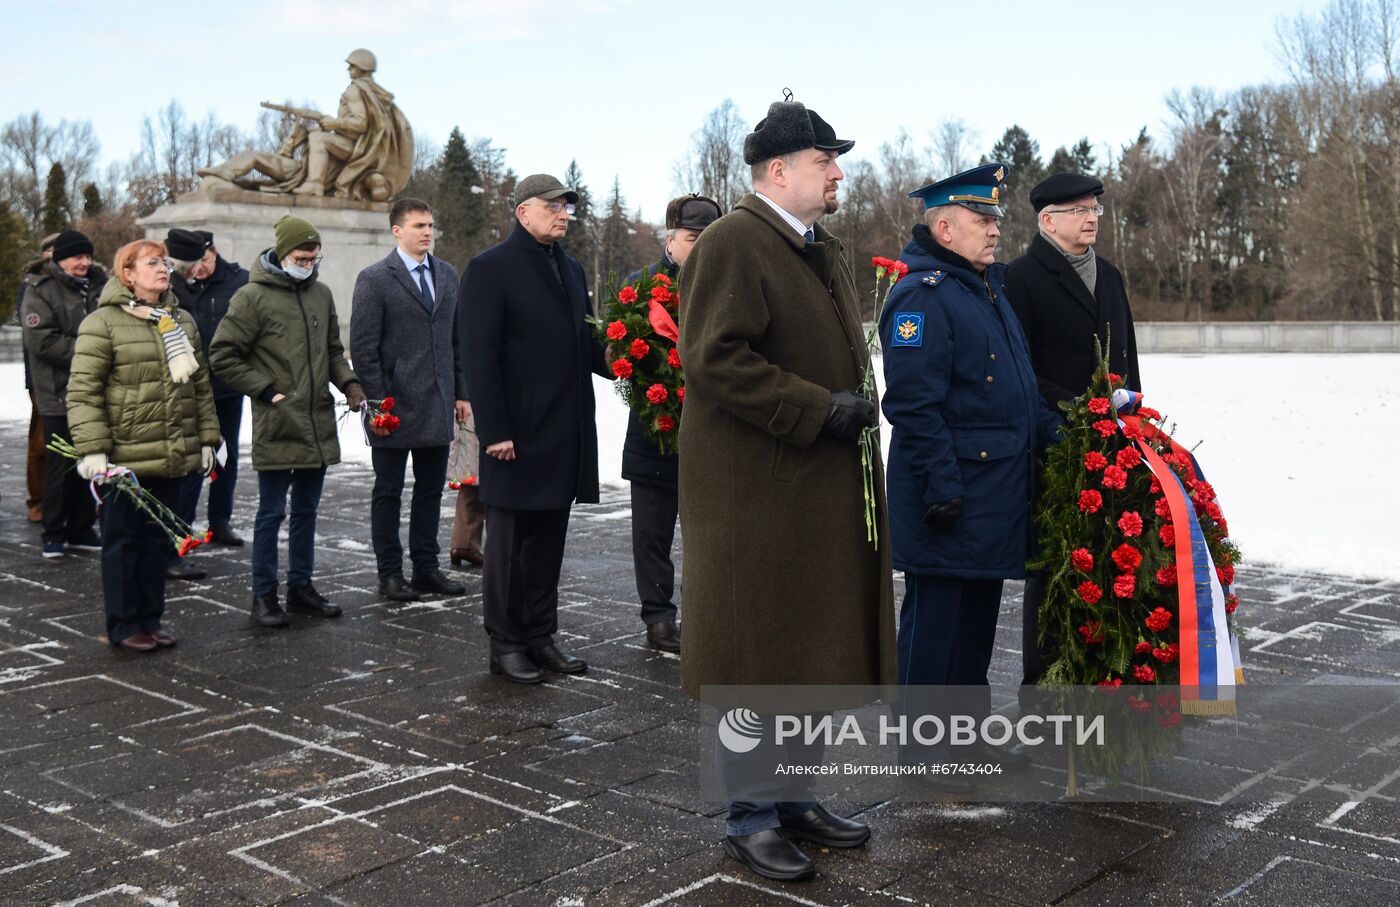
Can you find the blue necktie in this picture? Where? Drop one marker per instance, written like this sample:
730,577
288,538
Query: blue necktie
810,235
424,287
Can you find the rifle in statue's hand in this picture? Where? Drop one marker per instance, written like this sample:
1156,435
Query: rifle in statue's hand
304,112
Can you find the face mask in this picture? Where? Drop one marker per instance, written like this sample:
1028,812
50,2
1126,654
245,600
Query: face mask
295,272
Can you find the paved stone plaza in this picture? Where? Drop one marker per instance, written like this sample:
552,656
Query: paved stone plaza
373,760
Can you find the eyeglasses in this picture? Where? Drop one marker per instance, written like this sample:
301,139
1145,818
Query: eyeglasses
1080,211
164,264
308,262
556,207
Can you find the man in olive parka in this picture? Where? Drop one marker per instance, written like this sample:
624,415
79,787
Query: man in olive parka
280,345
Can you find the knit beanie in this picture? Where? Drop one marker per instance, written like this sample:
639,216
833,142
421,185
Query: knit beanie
291,231
69,244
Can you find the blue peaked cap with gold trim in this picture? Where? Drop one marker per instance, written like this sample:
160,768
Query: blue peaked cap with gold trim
978,189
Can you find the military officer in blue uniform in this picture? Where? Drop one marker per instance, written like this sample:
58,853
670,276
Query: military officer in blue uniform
968,422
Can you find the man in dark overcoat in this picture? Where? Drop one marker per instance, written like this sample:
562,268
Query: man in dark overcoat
529,355
650,473
1066,294
782,586
968,423
205,283
403,341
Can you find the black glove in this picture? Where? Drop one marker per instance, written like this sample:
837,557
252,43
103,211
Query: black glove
849,413
942,516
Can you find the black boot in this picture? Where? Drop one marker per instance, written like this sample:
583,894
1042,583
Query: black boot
267,611
664,635
770,854
224,535
304,599
820,826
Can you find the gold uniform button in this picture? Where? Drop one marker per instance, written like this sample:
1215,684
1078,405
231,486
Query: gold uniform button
994,357
989,379
984,455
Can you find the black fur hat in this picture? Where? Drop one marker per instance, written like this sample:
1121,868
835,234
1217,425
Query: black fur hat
790,127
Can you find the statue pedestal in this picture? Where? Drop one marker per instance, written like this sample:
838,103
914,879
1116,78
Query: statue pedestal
354,234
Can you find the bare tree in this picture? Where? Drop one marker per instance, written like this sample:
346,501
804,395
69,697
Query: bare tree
715,166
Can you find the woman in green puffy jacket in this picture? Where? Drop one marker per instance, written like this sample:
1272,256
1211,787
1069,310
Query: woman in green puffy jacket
139,397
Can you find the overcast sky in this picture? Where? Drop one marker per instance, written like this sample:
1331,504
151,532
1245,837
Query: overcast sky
622,84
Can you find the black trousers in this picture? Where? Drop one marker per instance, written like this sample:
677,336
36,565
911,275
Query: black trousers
520,579
134,553
424,512
654,511
68,507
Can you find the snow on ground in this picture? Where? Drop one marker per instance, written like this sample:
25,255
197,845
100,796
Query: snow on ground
1299,447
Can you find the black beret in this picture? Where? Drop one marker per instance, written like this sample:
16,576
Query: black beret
790,127
1064,187
185,245
692,212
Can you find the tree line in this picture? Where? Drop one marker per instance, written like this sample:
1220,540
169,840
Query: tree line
1275,201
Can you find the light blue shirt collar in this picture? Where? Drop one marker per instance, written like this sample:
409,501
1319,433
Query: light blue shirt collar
412,265
793,222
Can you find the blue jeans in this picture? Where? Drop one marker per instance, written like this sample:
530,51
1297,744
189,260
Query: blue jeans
273,485
752,775
747,818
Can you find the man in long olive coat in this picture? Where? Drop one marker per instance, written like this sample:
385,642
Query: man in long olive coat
782,586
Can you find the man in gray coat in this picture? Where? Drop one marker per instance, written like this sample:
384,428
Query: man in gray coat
403,341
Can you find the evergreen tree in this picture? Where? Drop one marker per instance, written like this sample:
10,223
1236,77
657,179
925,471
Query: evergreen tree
58,212
582,241
93,206
12,240
460,206
615,230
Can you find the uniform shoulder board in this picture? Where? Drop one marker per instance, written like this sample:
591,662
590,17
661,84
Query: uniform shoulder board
935,278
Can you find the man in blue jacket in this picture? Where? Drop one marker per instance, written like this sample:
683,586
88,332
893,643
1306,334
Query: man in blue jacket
967,423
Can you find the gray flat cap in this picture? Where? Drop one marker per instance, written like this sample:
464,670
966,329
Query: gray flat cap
542,185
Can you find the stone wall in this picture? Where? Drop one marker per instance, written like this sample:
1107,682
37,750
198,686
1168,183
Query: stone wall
1268,337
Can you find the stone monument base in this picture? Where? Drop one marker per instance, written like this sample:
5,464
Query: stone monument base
354,234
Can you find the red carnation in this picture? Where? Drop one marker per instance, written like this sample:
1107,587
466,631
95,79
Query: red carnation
1093,461
1090,501
622,368
393,422
1115,380
386,404
1125,585
1128,457
1166,655
1154,486
1089,592
1232,601
1166,576
661,278
627,295
1226,574
1130,523
1105,427
1148,412
617,330
665,423
1202,492
1144,673
1114,477
1132,432
1213,511
1169,720
1158,620
1223,526
881,263
899,269
1114,682
1092,632
673,358
1127,557
1099,406
1162,508
188,544
1167,534
680,393
661,294
1082,560
1139,704
639,349
1142,648
656,394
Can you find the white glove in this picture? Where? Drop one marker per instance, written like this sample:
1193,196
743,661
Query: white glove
206,459
93,464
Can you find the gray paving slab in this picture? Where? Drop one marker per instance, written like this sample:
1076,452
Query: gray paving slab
373,760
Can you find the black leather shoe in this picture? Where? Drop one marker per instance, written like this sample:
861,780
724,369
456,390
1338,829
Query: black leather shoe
437,582
183,570
820,826
770,854
305,599
224,535
396,588
664,635
516,667
551,659
267,611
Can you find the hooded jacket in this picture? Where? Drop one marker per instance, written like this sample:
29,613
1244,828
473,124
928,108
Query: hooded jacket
122,400
281,336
